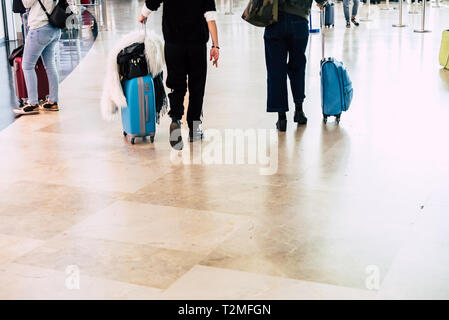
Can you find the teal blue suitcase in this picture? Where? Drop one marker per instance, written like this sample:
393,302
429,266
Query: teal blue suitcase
139,117
336,85
336,89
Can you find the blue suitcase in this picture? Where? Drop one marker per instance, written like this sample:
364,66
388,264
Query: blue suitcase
329,19
139,117
336,86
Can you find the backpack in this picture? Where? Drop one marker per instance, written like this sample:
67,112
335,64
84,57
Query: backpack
60,14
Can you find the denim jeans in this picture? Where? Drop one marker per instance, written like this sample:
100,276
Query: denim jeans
355,8
285,45
25,29
41,41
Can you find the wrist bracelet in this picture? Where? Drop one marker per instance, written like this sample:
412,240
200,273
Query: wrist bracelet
216,47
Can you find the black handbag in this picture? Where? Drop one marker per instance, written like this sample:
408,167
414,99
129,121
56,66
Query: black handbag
132,62
261,13
59,15
18,7
17,52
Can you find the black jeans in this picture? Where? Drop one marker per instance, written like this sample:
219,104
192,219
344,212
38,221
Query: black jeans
287,38
186,61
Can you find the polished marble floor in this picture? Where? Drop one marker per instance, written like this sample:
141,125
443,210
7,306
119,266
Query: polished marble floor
356,211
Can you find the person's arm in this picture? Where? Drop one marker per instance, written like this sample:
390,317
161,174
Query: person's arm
215,50
321,3
211,16
148,7
28,3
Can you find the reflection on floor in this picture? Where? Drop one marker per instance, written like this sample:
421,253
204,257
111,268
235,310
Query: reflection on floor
8,100
357,210
76,43
74,46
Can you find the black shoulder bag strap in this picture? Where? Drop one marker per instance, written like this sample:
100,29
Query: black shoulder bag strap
43,8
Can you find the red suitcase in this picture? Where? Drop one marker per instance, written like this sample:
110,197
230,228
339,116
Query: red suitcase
19,79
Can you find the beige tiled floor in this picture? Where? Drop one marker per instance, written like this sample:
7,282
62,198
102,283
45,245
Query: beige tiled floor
370,194
27,282
163,227
224,283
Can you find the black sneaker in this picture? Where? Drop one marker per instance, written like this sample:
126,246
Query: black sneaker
195,134
27,109
348,24
175,135
355,22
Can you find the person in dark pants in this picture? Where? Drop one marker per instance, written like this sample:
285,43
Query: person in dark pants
285,45
186,61
186,26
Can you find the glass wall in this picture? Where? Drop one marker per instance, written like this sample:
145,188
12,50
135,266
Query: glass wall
7,21
2,24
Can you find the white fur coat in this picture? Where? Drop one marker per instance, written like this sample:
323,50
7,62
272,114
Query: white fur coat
113,97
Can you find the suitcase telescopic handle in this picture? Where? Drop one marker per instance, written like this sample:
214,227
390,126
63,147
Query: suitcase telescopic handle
323,16
147,109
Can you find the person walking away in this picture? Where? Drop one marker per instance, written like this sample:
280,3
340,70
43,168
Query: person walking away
41,40
285,45
186,27
355,9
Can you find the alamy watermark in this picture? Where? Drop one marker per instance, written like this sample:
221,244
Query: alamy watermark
72,281
372,280
232,147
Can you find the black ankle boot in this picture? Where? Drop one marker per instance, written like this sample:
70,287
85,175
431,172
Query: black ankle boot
281,125
299,117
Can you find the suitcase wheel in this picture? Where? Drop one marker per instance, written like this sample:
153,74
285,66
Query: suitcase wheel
124,133
324,119
337,119
152,139
133,140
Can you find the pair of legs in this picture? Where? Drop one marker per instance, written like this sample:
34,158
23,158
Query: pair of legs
285,45
355,9
187,69
40,42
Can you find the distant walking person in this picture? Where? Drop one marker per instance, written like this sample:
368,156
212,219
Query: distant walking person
186,26
41,40
355,9
285,45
